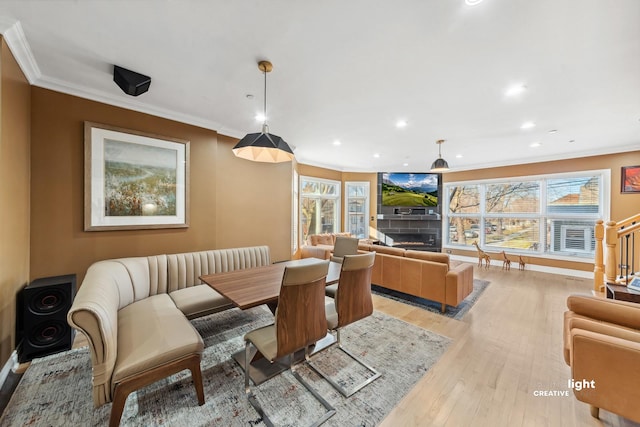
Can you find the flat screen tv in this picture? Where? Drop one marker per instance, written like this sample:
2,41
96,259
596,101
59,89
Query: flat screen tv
410,189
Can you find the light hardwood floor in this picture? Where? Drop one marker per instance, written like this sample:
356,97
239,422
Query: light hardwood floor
507,346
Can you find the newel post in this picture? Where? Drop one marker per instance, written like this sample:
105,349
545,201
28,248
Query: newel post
598,270
611,240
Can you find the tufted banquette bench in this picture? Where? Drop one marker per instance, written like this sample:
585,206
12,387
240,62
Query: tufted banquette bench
135,315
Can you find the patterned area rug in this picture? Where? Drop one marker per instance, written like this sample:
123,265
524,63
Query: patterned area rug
56,390
454,312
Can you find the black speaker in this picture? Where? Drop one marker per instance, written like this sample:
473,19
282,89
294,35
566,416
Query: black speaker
41,324
130,82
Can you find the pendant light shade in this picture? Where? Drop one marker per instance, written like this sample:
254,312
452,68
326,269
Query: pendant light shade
263,146
440,164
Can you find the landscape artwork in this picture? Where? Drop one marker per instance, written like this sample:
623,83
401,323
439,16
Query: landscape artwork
631,179
139,179
409,189
134,180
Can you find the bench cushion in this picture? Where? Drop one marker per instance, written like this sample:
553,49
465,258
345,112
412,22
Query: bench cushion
199,300
152,332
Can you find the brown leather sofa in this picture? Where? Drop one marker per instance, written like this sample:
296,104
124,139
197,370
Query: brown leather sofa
134,313
602,346
423,274
320,245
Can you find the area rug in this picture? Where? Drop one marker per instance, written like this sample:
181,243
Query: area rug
56,390
454,312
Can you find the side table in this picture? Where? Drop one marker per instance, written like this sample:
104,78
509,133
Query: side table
622,293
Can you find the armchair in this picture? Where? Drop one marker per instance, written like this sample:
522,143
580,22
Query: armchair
602,346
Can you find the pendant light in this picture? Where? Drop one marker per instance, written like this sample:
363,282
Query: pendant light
264,146
440,165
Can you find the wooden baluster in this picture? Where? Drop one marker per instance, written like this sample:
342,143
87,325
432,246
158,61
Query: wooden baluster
598,271
611,240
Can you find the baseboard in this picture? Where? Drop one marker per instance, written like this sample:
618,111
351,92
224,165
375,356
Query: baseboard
11,365
533,267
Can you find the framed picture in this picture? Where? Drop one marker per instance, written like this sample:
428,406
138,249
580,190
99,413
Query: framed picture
134,180
630,179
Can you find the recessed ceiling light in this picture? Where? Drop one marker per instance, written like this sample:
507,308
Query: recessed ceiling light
249,96
405,164
527,125
472,2
376,155
458,156
516,89
260,117
401,124
337,142
535,145
572,140
553,131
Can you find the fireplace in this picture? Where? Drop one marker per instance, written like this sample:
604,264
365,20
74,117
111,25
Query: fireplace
421,241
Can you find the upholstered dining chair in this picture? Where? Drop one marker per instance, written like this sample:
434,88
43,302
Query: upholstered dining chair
351,303
343,246
300,321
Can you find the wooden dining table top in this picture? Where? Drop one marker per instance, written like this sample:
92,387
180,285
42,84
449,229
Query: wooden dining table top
251,287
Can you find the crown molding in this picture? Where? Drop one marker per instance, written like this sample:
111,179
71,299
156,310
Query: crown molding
12,32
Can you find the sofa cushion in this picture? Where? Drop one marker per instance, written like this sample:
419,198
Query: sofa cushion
428,256
388,250
321,239
200,300
152,332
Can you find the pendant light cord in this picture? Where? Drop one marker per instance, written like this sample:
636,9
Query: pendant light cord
265,97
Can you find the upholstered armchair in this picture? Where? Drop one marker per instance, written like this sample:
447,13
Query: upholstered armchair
602,346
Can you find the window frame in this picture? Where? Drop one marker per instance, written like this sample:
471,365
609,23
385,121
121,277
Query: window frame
543,215
337,197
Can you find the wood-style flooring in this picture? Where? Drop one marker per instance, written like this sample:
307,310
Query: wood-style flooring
507,346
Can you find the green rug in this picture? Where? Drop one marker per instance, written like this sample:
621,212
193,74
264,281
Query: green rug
454,312
56,390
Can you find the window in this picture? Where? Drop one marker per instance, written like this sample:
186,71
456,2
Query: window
357,209
295,213
319,206
550,215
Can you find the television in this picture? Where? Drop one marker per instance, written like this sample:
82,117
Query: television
410,189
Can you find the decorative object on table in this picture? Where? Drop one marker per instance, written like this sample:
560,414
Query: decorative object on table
482,256
134,180
56,390
440,164
630,179
506,262
264,146
634,284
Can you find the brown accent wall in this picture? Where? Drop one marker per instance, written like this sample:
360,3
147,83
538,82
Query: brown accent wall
229,200
15,116
622,205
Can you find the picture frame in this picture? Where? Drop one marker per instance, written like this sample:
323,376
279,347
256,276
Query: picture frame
630,179
134,180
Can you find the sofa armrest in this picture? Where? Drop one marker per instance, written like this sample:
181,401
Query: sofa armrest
315,252
459,284
618,312
612,363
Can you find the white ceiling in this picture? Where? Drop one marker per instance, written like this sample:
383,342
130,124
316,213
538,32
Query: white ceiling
348,70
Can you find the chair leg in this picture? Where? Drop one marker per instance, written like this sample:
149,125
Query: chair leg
346,392
256,405
595,412
443,308
196,376
117,407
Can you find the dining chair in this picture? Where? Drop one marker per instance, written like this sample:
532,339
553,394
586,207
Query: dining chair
352,303
343,246
300,321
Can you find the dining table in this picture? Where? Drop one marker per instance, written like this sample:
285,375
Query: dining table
252,287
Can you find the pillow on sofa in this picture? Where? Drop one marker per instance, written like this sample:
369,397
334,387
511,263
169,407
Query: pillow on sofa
321,239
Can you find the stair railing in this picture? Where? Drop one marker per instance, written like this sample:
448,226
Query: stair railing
622,259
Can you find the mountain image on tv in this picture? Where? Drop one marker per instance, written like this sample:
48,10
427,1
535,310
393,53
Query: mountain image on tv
410,189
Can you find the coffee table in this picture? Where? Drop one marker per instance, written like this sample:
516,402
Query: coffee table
252,287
